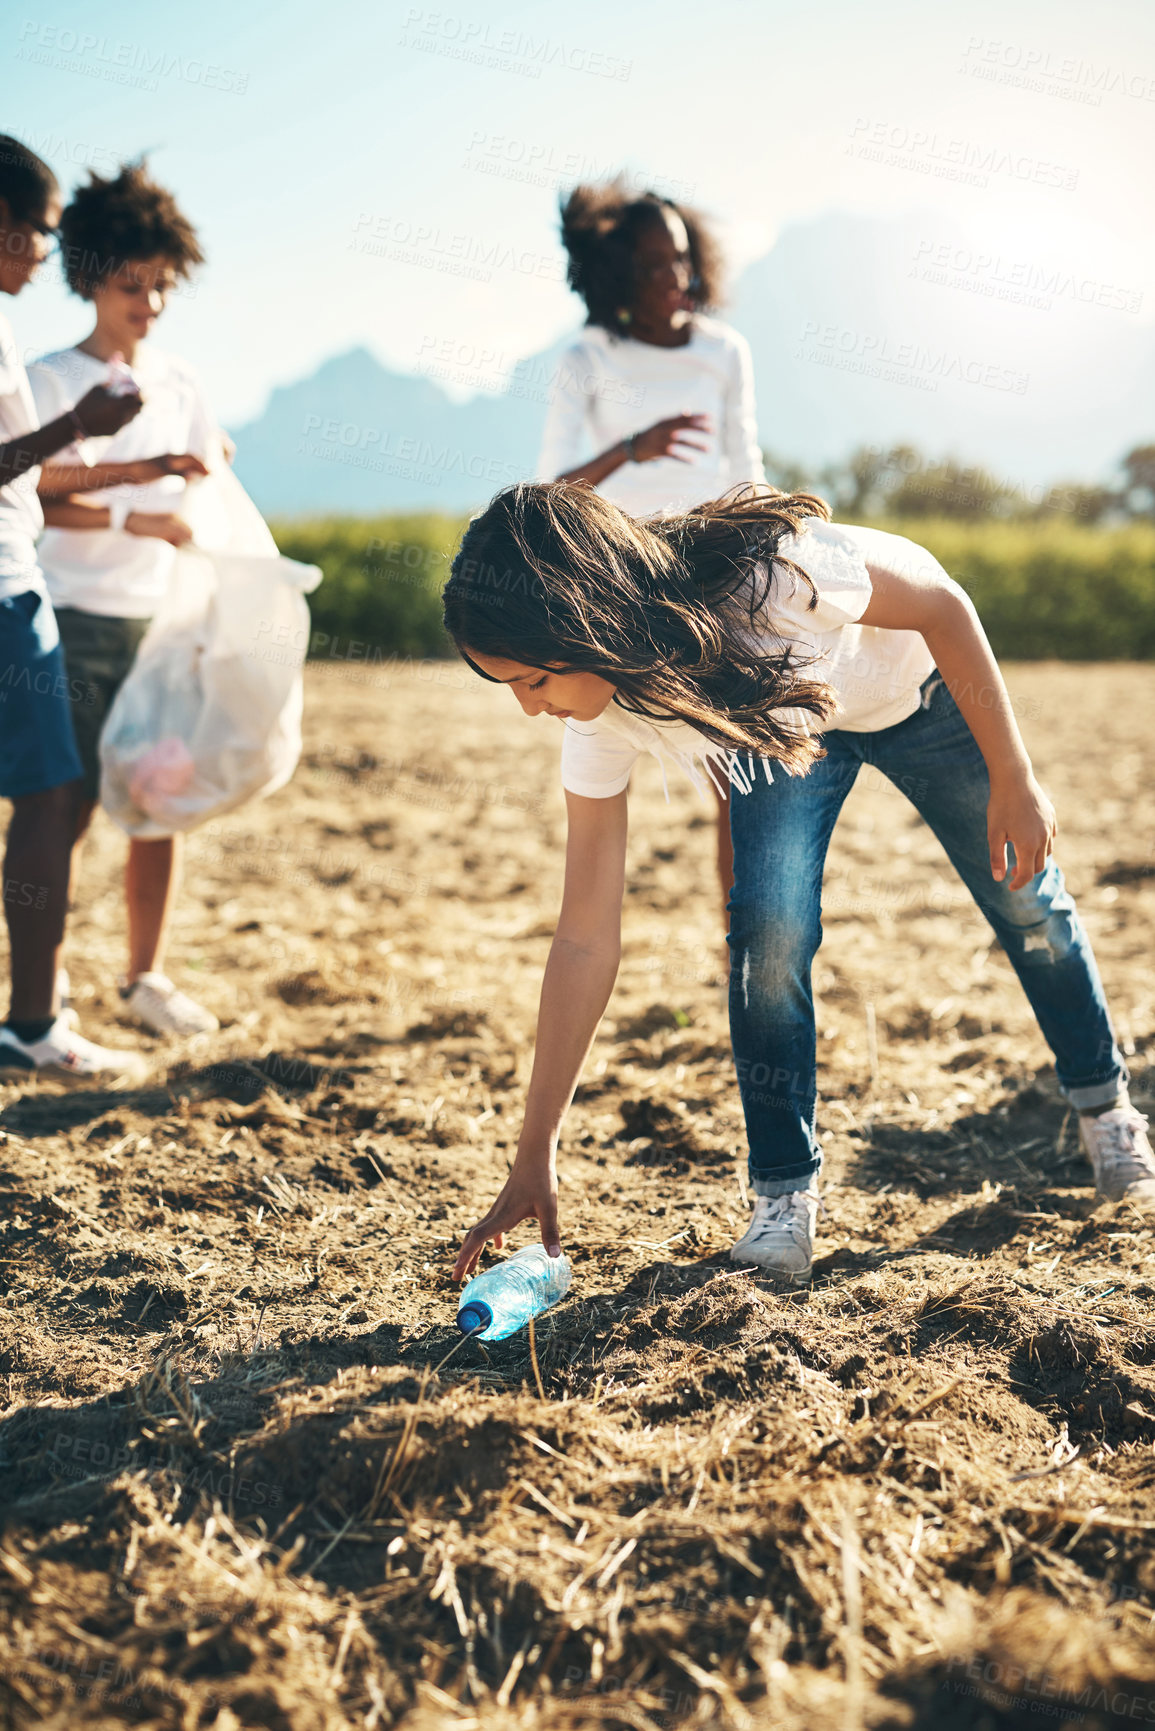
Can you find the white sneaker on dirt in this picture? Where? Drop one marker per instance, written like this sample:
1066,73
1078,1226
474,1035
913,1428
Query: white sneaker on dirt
1119,1149
65,1055
780,1238
155,1001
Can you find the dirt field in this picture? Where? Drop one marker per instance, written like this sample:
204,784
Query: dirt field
248,1482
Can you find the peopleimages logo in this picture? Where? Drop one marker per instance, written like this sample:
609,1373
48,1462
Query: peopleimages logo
508,50
120,62
450,251
542,162
1021,282
923,151
378,449
57,147
500,374
875,355
1025,66
1007,1685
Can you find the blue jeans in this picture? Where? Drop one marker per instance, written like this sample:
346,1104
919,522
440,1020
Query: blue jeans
781,832
37,745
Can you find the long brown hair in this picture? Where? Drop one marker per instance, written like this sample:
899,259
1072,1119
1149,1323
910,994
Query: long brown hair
672,611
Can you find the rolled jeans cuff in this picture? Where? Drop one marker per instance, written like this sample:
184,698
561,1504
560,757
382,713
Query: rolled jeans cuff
1097,1094
786,1186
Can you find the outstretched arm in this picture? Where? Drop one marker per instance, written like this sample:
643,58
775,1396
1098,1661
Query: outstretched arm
98,412
663,439
57,480
926,600
579,977
568,426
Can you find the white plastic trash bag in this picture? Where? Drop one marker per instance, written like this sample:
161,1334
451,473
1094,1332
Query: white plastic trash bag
210,714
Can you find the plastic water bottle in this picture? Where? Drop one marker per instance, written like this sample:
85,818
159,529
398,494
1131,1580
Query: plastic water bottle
120,380
497,1303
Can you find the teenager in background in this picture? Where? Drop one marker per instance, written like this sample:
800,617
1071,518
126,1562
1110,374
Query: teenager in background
39,767
654,404
113,509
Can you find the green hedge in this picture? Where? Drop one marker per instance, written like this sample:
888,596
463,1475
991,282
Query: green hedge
1044,590
383,578
1052,590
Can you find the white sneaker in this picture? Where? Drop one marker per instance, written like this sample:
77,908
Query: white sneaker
1118,1147
63,1054
155,1001
780,1238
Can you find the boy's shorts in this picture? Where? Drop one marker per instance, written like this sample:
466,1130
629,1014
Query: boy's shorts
37,747
98,653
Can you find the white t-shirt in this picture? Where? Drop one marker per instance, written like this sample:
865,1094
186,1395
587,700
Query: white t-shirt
21,518
876,674
109,571
609,387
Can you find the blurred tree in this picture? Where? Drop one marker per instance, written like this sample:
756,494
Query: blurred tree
852,486
875,481
1139,481
948,489
1076,499
787,476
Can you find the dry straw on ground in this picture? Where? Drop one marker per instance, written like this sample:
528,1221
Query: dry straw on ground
248,1480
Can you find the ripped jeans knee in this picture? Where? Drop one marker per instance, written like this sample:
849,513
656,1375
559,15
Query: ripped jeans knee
1037,924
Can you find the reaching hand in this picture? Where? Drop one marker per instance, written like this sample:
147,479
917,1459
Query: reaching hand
161,525
529,1193
1022,815
664,438
101,413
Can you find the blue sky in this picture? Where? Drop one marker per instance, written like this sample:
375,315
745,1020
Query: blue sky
349,166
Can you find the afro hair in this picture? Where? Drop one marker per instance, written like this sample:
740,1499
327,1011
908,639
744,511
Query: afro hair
600,226
123,220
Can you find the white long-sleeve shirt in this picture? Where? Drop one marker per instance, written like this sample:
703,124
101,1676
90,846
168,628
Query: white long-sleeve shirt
610,386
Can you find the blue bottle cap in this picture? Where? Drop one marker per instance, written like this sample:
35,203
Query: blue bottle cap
474,1317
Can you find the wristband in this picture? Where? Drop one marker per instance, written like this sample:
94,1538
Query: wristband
119,511
628,442
79,430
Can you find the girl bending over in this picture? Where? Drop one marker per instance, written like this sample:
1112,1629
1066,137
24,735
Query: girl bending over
755,642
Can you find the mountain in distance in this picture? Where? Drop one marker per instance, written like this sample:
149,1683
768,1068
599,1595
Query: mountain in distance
858,336
355,438
866,332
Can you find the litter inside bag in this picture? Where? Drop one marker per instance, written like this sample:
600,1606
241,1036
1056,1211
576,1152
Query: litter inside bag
164,772
210,714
